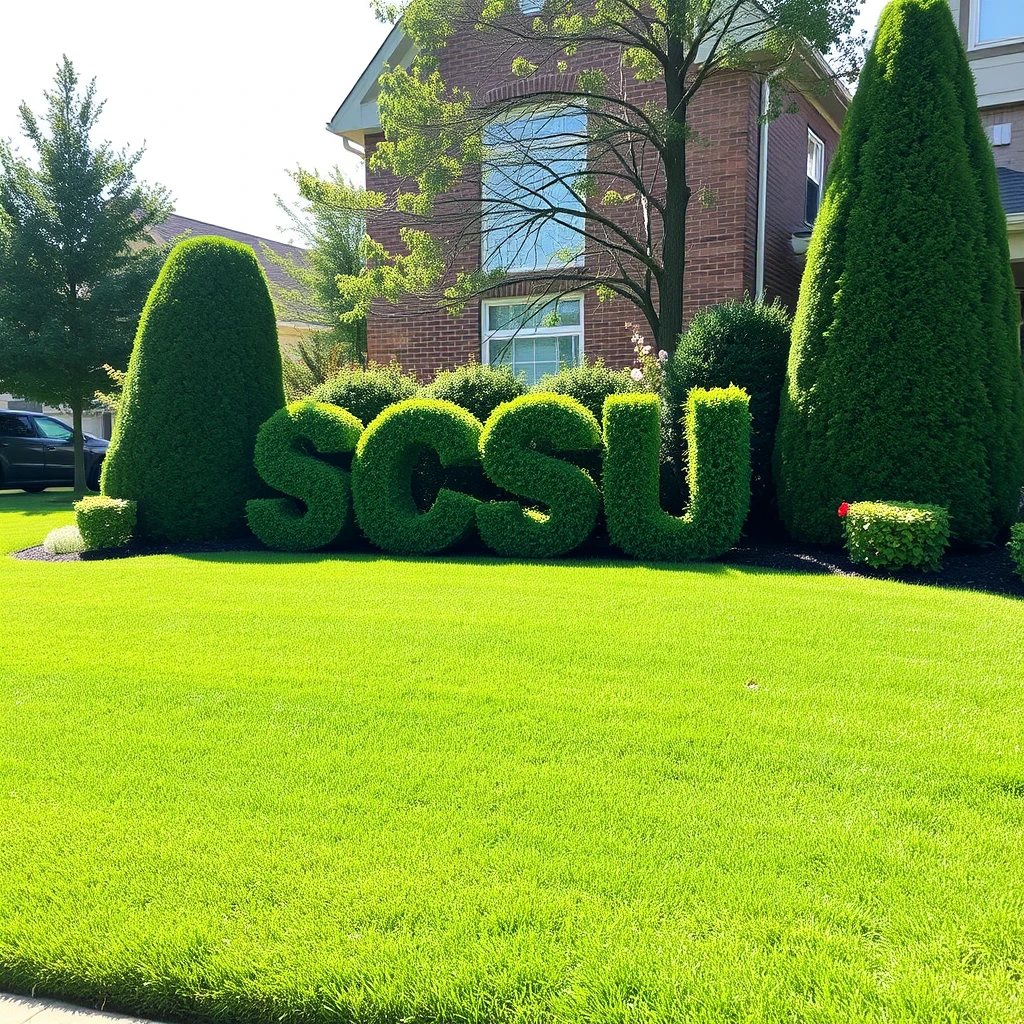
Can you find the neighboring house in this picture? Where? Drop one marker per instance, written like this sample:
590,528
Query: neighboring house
993,33
291,327
766,181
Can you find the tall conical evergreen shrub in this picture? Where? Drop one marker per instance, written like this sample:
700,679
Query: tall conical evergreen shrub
904,379
205,373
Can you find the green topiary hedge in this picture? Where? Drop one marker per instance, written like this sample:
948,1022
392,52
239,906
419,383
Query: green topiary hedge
367,393
477,389
204,375
286,458
747,344
905,372
892,535
518,447
718,460
589,383
382,470
105,522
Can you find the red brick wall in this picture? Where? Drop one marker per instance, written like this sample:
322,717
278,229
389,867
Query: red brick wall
721,232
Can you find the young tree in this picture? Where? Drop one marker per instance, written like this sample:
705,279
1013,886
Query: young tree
76,261
331,228
904,379
597,156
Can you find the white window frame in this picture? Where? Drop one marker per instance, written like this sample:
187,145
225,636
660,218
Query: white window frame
485,251
975,30
538,301
819,143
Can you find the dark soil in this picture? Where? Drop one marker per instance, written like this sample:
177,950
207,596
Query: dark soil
986,569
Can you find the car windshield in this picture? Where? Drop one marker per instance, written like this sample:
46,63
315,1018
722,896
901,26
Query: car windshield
53,429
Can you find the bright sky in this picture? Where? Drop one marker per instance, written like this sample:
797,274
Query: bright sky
225,97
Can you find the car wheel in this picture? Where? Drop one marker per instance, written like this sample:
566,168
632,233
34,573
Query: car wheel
93,483
34,488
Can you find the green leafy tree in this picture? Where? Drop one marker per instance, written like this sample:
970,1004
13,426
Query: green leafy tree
331,224
606,169
904,380
76,261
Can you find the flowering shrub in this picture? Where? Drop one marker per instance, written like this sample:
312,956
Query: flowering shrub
65,540
648,370
1016,547
105,522
891,535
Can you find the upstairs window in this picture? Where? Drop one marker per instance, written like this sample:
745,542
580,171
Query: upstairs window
532,217
531,6
997,21
815,176
533,337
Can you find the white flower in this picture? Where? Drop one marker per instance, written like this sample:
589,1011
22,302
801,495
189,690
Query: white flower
636,373
662,356
647,350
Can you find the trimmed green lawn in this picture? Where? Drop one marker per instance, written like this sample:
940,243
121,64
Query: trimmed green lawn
255,788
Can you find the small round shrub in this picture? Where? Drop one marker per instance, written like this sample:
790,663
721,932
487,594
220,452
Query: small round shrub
718,459
518,446
747,344
289,450
204,375
105,522
65,540
589,383
895,535
367,393
382,470
478,389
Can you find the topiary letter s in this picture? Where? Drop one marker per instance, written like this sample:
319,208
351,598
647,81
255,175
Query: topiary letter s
718,440
516,446
205,373
382,476
284,462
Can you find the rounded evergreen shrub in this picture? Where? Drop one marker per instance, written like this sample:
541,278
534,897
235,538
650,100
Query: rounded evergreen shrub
366,393
205,373
589,383
747,344
718,462
382,471
290,456
105,522
478,389
519,445
904,375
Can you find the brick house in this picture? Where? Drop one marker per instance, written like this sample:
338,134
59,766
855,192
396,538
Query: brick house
765,180
993,35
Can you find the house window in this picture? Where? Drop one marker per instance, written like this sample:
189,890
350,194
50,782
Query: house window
997,21
531,6
533,336
815,175
532,217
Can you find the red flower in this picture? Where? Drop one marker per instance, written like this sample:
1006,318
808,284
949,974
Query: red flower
844,508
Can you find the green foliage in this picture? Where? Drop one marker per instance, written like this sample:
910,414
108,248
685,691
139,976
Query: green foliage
478,389
76,259
105,522
1016,547
366,393
382,474
718,444
65,540
316,358
589,383
287,457
905,375
519,445
747,344
890,535
205,374
330,222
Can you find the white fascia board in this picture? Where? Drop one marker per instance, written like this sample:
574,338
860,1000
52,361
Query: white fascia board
358,114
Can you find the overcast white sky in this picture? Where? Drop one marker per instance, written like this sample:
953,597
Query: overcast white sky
225,96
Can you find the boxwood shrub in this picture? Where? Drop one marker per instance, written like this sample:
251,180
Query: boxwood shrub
286,458
105,522
382,471
894,535
518,447
718,461
1016,547
367,393
589,383
478,389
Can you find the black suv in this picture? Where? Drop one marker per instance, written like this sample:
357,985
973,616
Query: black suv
37,451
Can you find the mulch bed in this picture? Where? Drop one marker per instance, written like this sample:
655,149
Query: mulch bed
988,569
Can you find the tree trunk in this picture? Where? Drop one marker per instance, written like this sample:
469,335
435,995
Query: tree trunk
79,442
